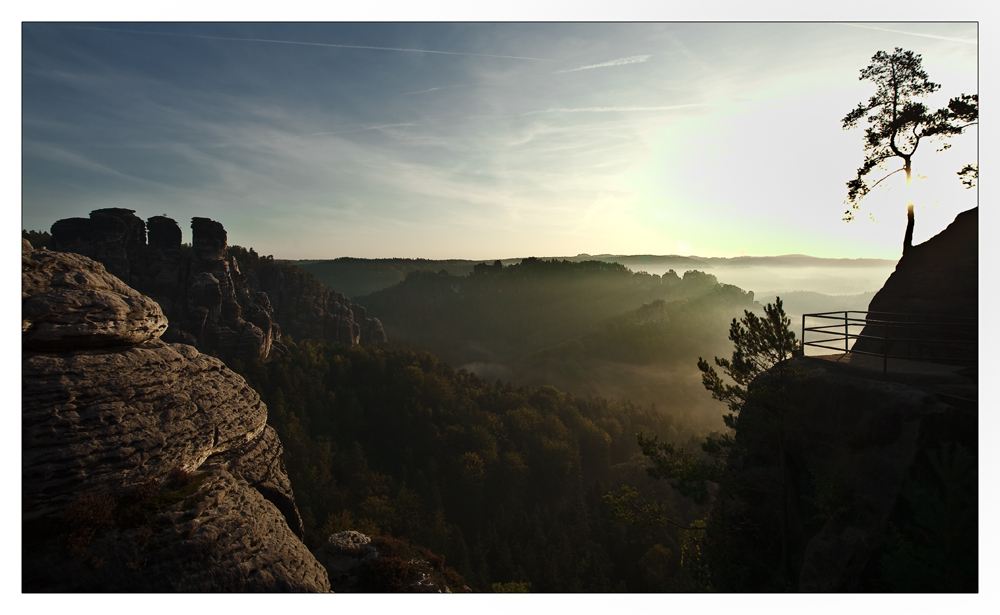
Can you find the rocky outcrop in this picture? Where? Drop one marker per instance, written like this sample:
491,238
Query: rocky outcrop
343,555
146,466
223,306
113,237
935,282
357,563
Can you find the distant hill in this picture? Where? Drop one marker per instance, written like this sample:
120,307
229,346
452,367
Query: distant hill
502,313
361,276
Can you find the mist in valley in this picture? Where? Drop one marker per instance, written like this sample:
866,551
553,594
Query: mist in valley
833,280
602,327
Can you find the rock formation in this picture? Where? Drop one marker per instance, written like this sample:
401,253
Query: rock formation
146,466
305,309
938,282
113,237
210,300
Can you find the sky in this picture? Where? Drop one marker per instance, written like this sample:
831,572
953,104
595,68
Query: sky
484,140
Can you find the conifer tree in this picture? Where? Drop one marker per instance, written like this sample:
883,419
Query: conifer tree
898,122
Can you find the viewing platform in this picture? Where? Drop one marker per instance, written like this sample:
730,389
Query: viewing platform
893,365
954,385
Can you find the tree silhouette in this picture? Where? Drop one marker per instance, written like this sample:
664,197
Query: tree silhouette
898,123
761,347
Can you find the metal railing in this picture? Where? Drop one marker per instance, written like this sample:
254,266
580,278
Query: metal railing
893,330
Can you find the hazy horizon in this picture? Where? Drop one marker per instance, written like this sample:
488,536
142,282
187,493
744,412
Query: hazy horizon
579,255
764,279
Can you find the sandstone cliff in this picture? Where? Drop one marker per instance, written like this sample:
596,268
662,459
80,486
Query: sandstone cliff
146,466
233,308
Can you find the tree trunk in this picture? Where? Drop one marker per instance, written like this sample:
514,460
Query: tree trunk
908,237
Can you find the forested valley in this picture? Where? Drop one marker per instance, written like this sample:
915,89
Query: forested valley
507,482
520,487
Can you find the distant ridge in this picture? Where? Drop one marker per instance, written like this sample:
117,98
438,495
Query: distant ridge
362,276
714,261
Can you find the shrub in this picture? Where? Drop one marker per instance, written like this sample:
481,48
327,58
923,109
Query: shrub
386,574
86,515
180,477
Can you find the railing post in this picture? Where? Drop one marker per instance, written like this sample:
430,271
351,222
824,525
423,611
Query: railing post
803,340
846,333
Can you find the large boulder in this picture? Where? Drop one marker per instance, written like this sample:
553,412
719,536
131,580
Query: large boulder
146,466
70,301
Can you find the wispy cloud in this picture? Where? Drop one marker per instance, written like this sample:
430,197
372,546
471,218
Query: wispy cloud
444,87
940,38
618,62
350,128
280,42
607,109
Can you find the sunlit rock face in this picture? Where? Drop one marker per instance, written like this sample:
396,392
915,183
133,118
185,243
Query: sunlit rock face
146,466
937,282
213,301
70,301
